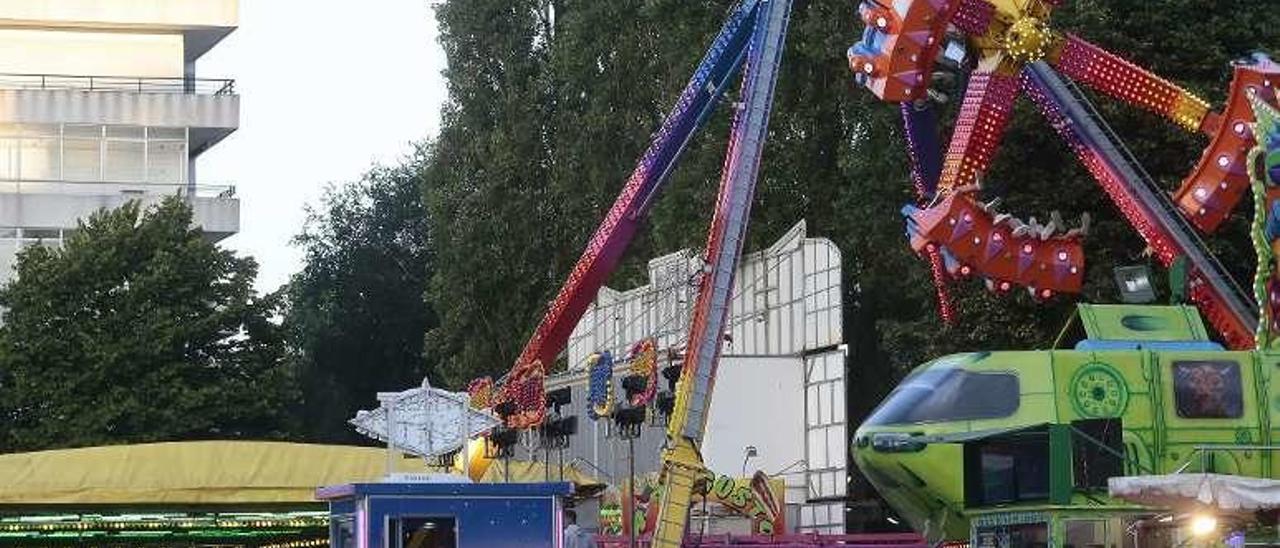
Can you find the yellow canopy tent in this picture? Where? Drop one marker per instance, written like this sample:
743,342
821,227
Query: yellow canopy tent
522,471
201,472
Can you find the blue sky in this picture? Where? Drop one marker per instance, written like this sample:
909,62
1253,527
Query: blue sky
327,89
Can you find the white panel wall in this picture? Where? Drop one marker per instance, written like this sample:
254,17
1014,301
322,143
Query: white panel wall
826,443
787,299
780,383
144,14
30,51
759,402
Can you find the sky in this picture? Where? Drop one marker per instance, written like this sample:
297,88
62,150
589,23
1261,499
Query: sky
327,90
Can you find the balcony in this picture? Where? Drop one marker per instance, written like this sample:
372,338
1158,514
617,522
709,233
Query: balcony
209,107
35,203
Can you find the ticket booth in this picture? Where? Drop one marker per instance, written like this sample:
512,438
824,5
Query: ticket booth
445,515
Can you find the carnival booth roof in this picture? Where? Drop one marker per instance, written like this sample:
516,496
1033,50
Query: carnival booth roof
197,473
1224,492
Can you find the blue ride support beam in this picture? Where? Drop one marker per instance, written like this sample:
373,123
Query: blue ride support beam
681,460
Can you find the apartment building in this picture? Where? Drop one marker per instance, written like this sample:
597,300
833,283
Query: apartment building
100,104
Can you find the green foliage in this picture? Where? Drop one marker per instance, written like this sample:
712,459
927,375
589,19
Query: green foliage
492,217
138,329
547,116
357,313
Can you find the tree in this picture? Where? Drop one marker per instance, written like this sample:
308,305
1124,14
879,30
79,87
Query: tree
543,127
136,329
493,221
357,314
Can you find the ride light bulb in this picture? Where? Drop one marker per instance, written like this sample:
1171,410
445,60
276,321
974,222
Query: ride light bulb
1203,525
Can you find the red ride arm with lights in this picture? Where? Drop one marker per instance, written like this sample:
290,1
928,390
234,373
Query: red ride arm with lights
1108,73
984,115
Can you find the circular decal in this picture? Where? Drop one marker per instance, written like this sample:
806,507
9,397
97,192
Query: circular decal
1098,391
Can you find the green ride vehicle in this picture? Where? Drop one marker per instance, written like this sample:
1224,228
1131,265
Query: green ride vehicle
1016,448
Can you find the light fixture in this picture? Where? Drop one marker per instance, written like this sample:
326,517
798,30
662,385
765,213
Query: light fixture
1134,283
1203,524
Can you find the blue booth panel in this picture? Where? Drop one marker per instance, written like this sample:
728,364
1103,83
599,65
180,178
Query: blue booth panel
445,515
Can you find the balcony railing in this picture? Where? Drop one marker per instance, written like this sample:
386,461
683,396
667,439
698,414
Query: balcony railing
100,188
200,86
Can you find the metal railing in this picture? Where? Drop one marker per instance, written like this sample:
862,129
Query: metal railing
203,190
138,84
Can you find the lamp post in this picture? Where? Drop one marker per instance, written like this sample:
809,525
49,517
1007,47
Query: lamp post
749,452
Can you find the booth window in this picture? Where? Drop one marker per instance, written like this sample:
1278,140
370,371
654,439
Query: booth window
949,394
344,532
1007,469
1208,389
423,532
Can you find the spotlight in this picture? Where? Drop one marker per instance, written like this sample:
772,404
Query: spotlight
1203,525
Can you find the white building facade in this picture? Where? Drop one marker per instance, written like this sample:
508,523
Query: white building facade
100,105
780,385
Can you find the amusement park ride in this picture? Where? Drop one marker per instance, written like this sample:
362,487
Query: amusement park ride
1110,387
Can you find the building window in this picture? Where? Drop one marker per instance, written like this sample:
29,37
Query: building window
82,153
126,161
27,236
949,394
10,152
93,153
41,159
1208,389
166,158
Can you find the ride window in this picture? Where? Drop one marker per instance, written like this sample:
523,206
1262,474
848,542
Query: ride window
423,532
1097,452
949,394
1008,469
1208,389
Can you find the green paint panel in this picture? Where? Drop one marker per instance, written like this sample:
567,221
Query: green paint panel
1117,322
1060,478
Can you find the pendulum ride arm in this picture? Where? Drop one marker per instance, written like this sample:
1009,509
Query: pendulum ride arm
1147,208
984,116
681,462
1111,74
604,251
